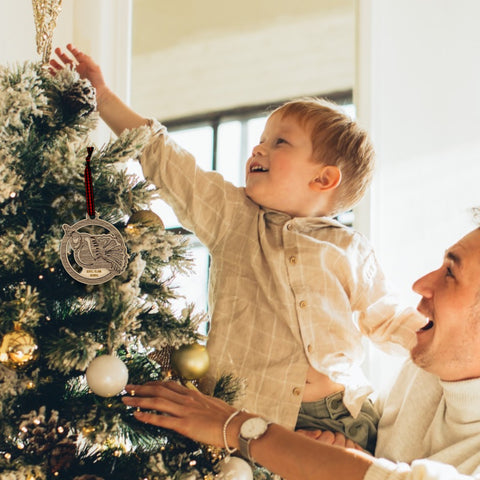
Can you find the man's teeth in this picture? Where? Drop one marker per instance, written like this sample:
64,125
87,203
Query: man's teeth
258,168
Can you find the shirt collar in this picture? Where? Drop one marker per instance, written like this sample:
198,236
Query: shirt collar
303,223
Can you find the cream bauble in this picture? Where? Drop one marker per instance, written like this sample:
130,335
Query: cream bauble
235,468
107,375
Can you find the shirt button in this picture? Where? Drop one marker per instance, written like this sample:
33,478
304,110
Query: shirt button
297,391
289,226
293,260
302,304
310,348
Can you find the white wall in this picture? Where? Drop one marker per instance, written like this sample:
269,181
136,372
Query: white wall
418,93
211,59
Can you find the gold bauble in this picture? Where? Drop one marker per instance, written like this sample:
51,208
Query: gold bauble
190,362
19,349
144,218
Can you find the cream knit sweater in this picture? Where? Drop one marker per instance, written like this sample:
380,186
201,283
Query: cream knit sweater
429,429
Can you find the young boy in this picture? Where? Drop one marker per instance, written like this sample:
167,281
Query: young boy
285,278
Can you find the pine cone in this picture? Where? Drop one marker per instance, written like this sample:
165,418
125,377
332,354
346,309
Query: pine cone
78,100
62,456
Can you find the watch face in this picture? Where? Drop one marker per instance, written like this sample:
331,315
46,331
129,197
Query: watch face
253,427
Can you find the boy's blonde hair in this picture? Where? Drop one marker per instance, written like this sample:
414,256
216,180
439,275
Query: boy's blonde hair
336,140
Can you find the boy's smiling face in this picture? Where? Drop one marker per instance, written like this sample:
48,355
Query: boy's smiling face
281,168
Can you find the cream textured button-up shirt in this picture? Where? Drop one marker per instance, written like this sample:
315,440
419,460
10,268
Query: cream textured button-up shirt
283,290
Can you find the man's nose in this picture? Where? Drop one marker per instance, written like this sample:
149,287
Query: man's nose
424,286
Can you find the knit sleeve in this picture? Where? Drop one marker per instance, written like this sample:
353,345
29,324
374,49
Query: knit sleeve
382,469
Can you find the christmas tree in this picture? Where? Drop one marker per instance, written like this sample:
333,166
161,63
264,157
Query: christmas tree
68,340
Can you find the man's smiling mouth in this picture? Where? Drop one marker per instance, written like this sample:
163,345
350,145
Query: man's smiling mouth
428,326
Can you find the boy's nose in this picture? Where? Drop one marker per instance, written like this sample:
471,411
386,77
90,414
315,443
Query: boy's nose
257,150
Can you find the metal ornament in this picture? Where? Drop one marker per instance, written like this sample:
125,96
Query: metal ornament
45,13
97,257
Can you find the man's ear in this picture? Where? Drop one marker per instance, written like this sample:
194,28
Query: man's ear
327,178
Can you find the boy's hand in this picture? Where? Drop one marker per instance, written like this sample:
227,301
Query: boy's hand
83,64
330,438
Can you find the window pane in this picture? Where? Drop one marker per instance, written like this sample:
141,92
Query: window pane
192,288
255,129
199,142
230,154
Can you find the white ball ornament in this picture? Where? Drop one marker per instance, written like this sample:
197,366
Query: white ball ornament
235,468
107,375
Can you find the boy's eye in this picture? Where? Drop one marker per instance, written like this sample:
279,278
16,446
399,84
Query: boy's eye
449,273
281,140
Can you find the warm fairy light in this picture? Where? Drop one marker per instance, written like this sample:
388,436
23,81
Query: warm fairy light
40,277
8,456
13,194
192,463
52,269
36,421
20,446
117,453
60,429
30,385
24,429
56,474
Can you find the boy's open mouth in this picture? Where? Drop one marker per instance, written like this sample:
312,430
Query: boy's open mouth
258,168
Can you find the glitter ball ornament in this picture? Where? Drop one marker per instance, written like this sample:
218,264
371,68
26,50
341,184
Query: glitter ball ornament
144,218
235,468
19,349
107,375
190,362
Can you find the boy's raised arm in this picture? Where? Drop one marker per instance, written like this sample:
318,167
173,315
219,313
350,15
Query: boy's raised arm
116,114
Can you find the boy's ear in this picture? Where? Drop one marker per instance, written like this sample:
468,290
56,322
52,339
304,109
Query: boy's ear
327,178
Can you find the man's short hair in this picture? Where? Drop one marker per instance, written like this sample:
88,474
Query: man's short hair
337,140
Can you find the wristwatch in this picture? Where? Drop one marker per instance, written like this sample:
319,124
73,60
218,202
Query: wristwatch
251,429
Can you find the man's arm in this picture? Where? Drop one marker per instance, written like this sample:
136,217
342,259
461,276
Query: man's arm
116,114
282,451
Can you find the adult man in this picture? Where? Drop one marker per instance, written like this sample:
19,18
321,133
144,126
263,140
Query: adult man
430,421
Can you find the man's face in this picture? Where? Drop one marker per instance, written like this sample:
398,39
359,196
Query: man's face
449,345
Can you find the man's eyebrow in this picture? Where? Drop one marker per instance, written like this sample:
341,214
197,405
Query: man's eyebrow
454,258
